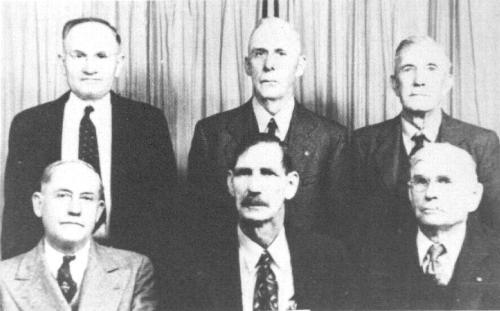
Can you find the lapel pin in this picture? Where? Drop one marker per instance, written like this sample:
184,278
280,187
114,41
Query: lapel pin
306,153
479,279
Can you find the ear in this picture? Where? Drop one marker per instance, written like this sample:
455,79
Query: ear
37,200
62,62
229,180
477,194
292,185
100,209
395,84
120,59
248,66
301,66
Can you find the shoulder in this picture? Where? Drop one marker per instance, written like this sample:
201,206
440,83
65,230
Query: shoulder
221,119
469,131
10,267
134,107
40,113
381,129
321,247
322,123
122,258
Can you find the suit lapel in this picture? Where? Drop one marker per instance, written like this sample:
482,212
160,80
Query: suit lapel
53,132
103,283
241,125
301,142
36,287
224,283
472,268
387,154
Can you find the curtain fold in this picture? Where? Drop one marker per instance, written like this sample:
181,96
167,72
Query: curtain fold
186,56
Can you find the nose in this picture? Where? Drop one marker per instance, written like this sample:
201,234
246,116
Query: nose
419,78
432,191
74,207
90,67
269,62
254,184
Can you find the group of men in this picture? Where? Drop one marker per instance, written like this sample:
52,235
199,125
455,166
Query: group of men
282,212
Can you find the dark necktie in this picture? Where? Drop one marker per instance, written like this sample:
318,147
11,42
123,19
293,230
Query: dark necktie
432,266
265,296
419,143
64,279
272,127
88,150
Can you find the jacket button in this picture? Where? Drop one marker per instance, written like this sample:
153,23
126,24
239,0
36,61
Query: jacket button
479,279
306,153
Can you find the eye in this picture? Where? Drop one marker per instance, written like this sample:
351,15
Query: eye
419,180
268,172
432,67
102,55
87,197
63,195
407,68
443,180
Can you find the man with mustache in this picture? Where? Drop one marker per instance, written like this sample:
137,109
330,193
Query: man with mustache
127,142
448,260
316,145
67,270
381,152
260,262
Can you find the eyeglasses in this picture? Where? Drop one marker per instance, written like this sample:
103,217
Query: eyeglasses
421,184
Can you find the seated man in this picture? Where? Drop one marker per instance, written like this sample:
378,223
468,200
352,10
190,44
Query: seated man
67,270
260,263
449,261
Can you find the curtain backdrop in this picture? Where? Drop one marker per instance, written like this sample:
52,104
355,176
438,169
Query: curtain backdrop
186,57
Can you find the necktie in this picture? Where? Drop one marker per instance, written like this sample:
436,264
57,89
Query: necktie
431,263
419,143
272,127
64,279
265,296
87,147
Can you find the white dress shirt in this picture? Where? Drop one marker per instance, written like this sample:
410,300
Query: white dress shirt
453,244
101,117
249,255
431,131
54,260
282,118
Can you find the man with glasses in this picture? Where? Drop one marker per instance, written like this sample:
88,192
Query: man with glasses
448,261
127,142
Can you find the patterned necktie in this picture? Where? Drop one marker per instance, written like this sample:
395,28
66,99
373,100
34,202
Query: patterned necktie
432,264
88,150
419,143
272,127
265,296
64,279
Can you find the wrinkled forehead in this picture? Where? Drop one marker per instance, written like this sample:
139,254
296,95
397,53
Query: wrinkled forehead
72,175
275,34
442,166
91,35
426,52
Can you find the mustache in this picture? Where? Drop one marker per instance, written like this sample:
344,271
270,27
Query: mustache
251,200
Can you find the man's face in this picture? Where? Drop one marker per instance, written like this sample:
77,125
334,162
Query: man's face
260,184
91,60
274,62
422,77
449,197
69,206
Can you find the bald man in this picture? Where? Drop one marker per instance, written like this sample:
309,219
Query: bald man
315,144
448,260
381,152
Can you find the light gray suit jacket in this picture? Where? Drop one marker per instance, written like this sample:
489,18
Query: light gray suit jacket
114,280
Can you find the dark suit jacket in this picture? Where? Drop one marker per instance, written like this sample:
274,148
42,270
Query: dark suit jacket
393,272
114,280
321,273
382,199
143,174
316,146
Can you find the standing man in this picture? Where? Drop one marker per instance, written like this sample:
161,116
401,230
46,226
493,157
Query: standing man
381,152
447,261
127,142
316,145
258,262
67,270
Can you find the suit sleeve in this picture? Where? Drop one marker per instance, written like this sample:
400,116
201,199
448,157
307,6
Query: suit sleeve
489,176
145,291
20,228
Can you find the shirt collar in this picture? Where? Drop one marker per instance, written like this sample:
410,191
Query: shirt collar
282,118
252,251
54,258
452,242
99,105
430,130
